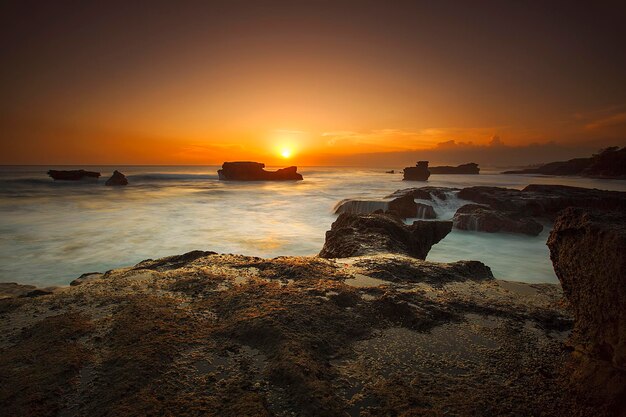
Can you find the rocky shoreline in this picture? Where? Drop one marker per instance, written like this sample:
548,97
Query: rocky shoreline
373,332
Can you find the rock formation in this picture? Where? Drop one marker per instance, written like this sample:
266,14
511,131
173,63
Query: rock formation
484,219
419,172
608,163
424,193
543,200
253,171
588,250
73,175
117,179
354,235
232,335
403,207
468,169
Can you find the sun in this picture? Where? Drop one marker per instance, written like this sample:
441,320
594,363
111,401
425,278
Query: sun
285,153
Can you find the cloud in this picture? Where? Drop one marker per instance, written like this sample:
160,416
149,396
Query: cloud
406,140
612,120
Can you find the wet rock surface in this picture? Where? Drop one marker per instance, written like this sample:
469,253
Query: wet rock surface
588,250
230,335
362,234
403,207
485,219
253,171
424,193
116,179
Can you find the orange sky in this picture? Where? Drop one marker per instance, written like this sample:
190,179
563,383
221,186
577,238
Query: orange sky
201,84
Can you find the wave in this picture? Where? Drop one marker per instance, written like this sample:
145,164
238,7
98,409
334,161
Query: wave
171,177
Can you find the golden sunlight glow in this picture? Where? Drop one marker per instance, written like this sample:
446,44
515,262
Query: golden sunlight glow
285,153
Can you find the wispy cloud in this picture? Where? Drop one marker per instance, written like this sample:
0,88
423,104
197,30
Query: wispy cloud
612,120
405,139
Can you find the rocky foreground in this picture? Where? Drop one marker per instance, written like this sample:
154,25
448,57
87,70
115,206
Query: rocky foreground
379,333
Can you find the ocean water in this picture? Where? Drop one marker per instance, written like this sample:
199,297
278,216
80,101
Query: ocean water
51,232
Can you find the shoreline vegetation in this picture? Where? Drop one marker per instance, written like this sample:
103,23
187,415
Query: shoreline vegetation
368,328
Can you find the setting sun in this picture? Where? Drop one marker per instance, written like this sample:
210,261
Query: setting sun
285,153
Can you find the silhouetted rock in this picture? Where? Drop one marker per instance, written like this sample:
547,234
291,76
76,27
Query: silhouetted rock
588,251
73,175
390,172
419,172
608,163
484,219
469,169
354,235
253,171
117,179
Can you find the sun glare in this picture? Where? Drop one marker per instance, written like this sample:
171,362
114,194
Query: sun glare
285,153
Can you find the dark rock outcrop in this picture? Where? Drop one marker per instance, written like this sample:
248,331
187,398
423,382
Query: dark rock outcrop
419,172
73,175
15,290
403,207
468,169
86,277
360,206
588,250
484,219
354,235
608,163
424,193
253,171
543,200
117,179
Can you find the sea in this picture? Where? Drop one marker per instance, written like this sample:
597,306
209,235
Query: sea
51,232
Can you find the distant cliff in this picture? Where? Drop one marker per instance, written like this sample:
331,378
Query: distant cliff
470,168
608,163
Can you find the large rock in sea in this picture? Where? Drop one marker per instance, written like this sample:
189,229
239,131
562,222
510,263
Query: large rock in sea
364,234
469,169
419,172
588,251
253,171
484,219
117,179
73,175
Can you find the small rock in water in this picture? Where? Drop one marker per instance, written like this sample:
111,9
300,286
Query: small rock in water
117,179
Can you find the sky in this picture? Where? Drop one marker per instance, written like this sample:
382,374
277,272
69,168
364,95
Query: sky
310,82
